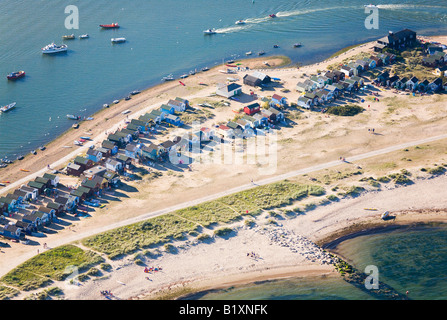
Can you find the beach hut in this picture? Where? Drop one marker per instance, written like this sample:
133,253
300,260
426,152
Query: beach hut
225,131
252,108
93,171
207,134
174,120
392,81
45,181
278,101
262,76
94,155
348,71
267,113
11,231
113,165
302,87
150,152
412,83
31,193
40,187
84,162
110,145
167,109
57,207
54,179
305,102
132,151
279,114
228,90
8,204
251,81
34,221
112,178
178,105
435,85
74,169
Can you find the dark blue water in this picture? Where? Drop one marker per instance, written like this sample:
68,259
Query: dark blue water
163,37
412,259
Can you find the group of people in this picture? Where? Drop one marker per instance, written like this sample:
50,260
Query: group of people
151,269
106,293
252,255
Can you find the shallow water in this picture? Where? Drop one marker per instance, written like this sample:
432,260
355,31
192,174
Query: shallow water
412,259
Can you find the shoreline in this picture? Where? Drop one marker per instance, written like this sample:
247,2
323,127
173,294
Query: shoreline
284,270
417,218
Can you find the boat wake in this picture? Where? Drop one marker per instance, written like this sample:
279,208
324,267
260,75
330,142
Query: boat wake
405,6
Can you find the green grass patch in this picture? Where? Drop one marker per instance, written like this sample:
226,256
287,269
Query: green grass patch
129,239
7,293
345,110
55,264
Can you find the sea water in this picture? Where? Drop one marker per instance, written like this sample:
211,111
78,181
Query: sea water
412,259
163,37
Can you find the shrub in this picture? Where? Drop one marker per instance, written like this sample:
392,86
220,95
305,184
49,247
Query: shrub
105,266
203,237
348,110
223,232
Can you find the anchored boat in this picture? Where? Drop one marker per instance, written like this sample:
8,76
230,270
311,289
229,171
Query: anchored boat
209,31
15,75
8,107
118,40
69,37
110,26
53,48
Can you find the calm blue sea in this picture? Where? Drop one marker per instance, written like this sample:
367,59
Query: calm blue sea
163,37
412,259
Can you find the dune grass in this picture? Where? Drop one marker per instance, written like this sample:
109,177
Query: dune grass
50,265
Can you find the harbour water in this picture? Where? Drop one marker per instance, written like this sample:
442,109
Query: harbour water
412,259
163,38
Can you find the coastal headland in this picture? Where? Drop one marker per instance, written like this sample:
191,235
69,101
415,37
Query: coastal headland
267,242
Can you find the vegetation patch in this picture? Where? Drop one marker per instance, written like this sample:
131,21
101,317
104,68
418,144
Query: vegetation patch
345,110
7,293
128,239
55,264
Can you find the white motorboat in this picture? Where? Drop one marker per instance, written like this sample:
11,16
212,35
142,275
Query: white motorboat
84,36
8,107
240,22
209,31
53,48
168,78
249,53
116,101
118,40
370,6
184,76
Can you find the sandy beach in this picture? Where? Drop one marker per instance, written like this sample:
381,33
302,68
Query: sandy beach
285,249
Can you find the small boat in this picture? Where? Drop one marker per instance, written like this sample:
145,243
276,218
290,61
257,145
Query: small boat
260,53
240,22
127,98
73,117
33,152
75,125
110,26
385,215
182,83
20,158
231,66
370,6
105,105
126,112
78,143
84,36
68,37
192,72
205,69
275,46
42,148
184,76
86,138
53,48
116,101
168,78
248,53
209,31
135,92
118,40
297,45
15,75
8,107
272,15
24,170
